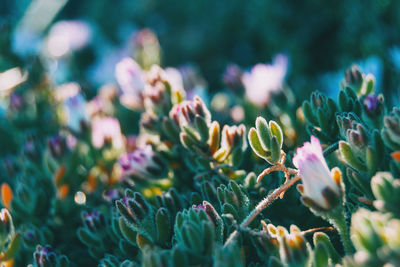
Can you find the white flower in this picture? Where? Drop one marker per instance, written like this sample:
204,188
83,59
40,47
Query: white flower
264,79
106,129
131,79
66,36
75,111
319,184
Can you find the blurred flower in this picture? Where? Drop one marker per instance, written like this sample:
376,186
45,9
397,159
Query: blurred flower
57,146
106,130
319,186
71,141
220,102
237,113
67,36
130,78
141,163
265,79
131,143
112,194
11,78
16,101
174,78
75,112
233,77
93,220
66,90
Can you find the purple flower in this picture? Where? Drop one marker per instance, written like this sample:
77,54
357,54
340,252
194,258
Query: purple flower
16,101
264,79
319,185
371,102
141,163
233,77
111,195
57,146
199,207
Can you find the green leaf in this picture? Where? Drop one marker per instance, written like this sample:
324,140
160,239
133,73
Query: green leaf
349,156
277,132
263,132
321,256
256,144
275,150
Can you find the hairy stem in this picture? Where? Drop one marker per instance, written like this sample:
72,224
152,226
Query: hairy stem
338,219
331,149
262,205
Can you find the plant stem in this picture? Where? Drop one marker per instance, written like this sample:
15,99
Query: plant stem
338,220
331,149
262,205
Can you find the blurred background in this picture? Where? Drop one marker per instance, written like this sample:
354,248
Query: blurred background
320,38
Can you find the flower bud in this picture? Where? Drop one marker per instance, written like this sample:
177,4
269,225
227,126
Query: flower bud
354,78
391,129
386,190
93,221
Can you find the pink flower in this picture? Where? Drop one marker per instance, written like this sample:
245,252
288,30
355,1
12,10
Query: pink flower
130,78
265,79
106,129
315,174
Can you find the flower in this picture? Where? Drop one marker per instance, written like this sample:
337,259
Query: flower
57,146
373,105
141,163
320,188
66,36
130,78
75,112
106,129
233,77
264,79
